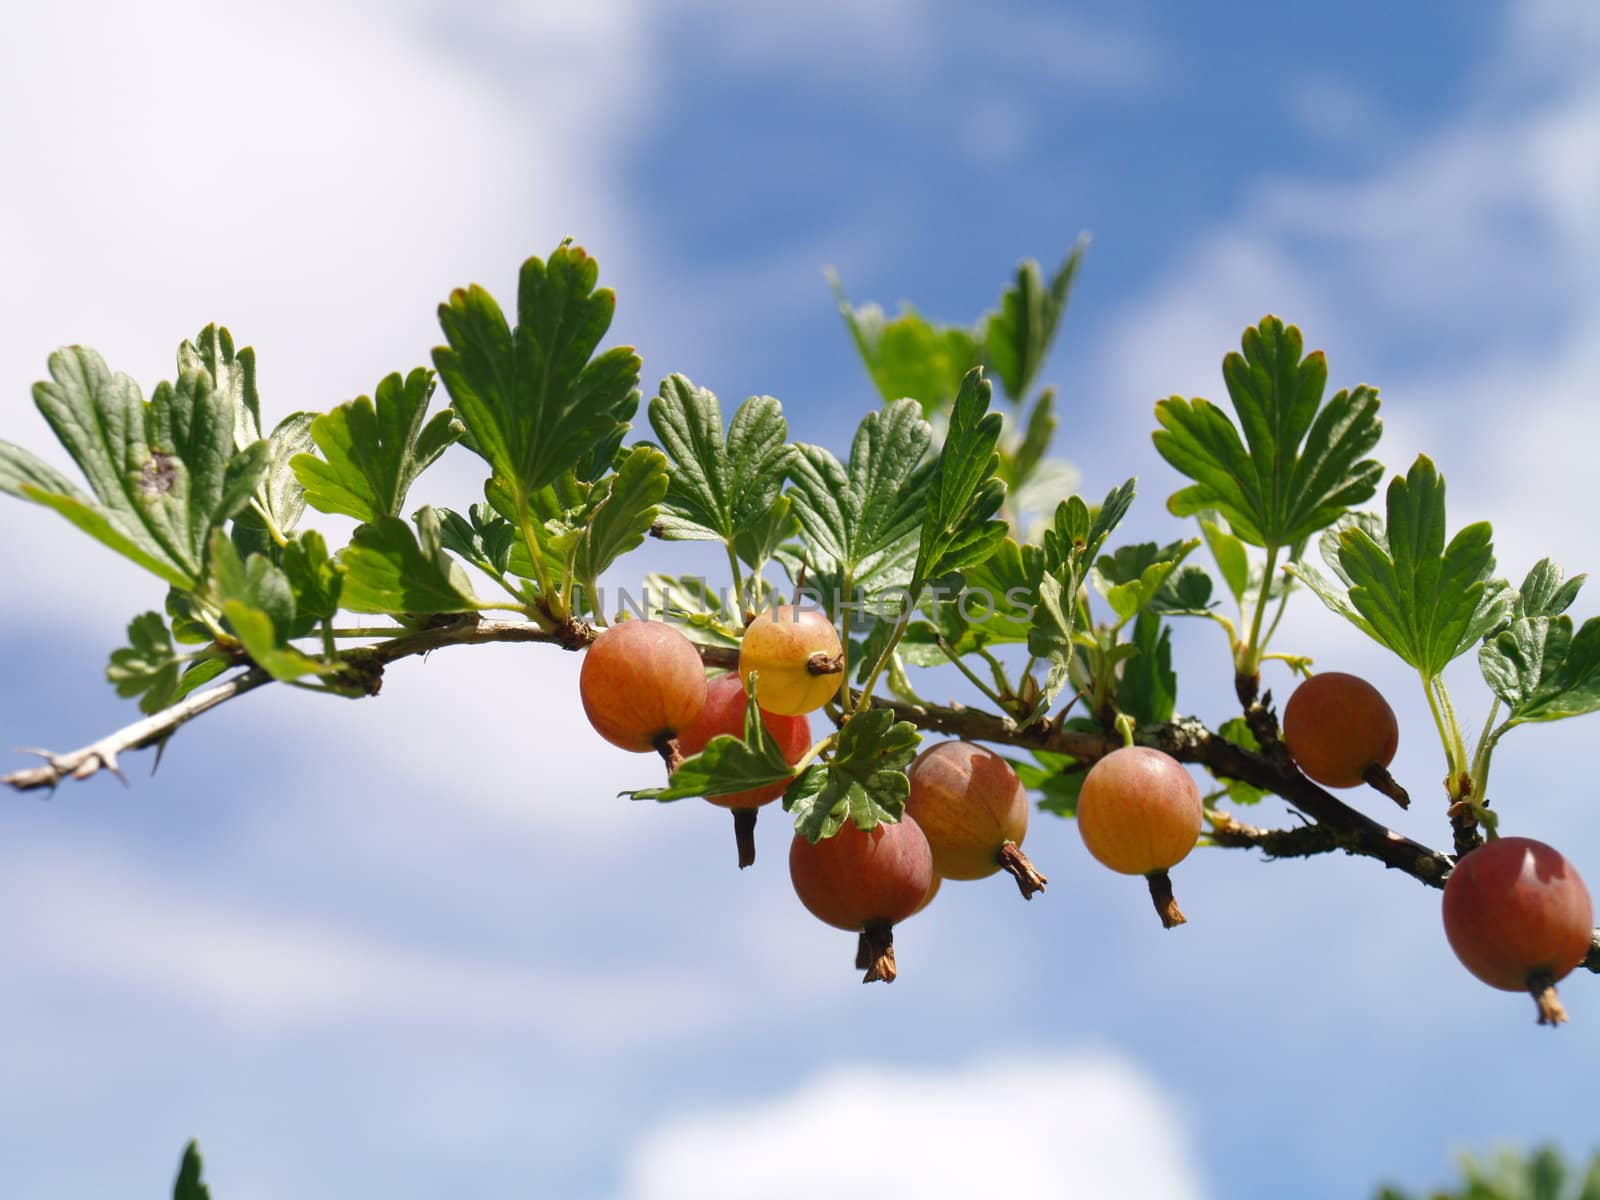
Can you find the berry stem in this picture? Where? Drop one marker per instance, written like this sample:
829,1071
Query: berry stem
1161,896
877,940
1014,861
744,835
1377,776
1543,990
667,746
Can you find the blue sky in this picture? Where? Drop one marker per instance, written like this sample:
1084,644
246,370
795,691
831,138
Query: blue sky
413,947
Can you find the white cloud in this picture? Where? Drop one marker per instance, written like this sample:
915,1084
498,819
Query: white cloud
109,926
316,176
1052,1126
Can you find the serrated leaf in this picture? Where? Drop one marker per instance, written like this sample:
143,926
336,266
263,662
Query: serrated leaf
1135,576
727,764
190,1184
693,605
257,601
162,474
907,357
958,529
864,782
1186,593
280,492
1148,689
852,517
373,450
389,570
148,667
482,537
533,400
1299,465
1542,670
232,374
1427,601
315,578
758,541
720,483
621,520
1017,338
1543,592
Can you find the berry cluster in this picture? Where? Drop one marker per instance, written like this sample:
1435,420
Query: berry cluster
1515,911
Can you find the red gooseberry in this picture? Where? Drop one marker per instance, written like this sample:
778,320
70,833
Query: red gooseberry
723,713
1341,732
1139,812
866,881
974,811
1519,918
642,684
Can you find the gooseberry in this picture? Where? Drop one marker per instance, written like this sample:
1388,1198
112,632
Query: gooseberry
974,811
865,881
799,658
723,713
1519,918
642,684
1139,812
1341,731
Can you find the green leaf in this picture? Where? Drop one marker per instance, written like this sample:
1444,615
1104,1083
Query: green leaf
187,626
1303,466
481,537
691,604
163,474
1542,670
232,375
907,357
1148,689
389,570
189,1184
1427,601
280,493
1186,593
1543,594
1017,338
257,601
963,494
315,578
148,666
1231,557
1057,778
372,452
198,673
1035,441
1136,575
1237,730
536,400
865,781
758,541
720,484
852,520
622,517
727,764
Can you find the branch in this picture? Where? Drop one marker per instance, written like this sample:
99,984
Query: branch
1336,826
364,661
1188,740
